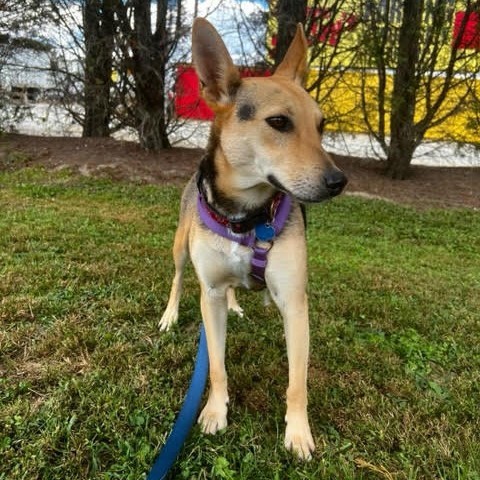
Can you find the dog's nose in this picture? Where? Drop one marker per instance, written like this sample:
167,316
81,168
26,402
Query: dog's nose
335,181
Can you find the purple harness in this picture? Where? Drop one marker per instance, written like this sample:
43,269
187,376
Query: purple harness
263,232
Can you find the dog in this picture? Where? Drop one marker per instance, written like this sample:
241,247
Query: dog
264,150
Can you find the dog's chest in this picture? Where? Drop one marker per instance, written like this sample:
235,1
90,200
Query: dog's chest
237,260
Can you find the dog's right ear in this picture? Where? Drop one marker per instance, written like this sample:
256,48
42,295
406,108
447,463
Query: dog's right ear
294,65
218,75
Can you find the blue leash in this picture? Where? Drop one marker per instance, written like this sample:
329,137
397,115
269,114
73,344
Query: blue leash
187,415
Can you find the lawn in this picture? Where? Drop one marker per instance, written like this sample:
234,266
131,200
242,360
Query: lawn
89,388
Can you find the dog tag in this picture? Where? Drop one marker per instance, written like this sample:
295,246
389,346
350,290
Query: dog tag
265,232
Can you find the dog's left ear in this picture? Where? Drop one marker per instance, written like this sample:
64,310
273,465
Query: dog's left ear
294,64
218,75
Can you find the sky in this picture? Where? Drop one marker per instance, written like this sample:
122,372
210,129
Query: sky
228,17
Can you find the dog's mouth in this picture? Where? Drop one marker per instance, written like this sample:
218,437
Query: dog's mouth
273,180
331,184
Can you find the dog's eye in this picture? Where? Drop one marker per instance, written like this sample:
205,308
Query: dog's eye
321,126
280,123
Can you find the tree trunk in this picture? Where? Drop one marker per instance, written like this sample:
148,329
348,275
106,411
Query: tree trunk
150,55
150,103
400,154
288,13
99,34
152,130
404,95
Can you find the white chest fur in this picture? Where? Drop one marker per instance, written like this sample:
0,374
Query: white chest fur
236,259
222,262
239,259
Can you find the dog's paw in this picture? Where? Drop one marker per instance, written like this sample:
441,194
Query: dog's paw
298,438
237,309
267,299
213,418
169,318
232,303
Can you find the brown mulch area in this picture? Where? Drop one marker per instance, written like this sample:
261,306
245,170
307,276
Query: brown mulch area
425,187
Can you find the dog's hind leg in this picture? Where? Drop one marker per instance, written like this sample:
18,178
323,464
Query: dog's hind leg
267,299
232,302
214,312
180,254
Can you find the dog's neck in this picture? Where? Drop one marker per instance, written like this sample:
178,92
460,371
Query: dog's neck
235,204
231,192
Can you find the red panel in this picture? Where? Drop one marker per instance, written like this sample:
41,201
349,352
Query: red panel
188,103
324,30
471,30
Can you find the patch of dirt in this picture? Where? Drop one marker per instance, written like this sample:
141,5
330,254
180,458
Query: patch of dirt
105,157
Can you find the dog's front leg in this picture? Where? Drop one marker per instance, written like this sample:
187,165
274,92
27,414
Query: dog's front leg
293,305
180,253
214,312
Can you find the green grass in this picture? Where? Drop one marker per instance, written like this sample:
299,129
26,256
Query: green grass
89,388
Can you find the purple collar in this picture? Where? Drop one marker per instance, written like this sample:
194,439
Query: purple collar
262,232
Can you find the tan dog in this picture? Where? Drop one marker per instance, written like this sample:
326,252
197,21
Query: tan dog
266,138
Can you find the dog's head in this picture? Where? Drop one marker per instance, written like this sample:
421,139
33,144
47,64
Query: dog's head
270,129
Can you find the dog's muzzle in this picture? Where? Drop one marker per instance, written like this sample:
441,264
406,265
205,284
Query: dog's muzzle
329,185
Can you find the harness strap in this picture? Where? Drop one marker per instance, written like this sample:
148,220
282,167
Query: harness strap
259,263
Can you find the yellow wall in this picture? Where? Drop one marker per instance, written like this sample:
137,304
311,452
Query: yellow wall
343,108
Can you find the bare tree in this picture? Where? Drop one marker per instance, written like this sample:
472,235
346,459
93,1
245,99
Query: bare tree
132,42
99,31
69,67
413,40
147,47
287,13
329,26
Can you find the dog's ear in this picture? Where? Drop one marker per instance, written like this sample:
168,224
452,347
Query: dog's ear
294,64
218,75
